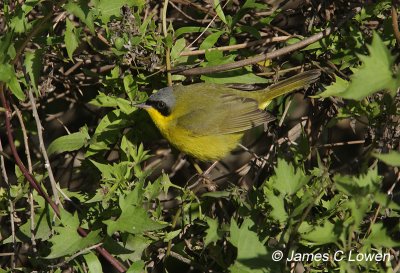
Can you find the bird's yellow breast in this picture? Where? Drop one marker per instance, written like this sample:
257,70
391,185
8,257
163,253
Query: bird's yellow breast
205,147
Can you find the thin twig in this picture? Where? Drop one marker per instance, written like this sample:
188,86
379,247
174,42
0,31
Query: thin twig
34,184
30,195
43,148
167,49
11,208
271,55
235,47
260,58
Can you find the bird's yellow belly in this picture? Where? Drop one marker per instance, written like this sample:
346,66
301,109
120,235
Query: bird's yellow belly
204,147
207,148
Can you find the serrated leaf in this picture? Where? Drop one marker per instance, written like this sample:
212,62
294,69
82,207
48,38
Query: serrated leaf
278,207
133,219
81,10
34,64
325,233
69,143
252,254
392,158
339,86
287,180
71,38
374,75
379,237
212,232
68,233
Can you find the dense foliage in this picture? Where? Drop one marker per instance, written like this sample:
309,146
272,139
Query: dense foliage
316,191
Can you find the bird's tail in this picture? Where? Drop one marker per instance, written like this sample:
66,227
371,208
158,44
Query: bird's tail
299,81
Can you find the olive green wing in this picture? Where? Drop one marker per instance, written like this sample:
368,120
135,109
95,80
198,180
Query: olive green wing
224,114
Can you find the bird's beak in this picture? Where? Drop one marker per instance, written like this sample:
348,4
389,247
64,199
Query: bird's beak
142,106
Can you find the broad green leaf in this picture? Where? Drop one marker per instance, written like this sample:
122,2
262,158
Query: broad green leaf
241,76
211,39
375,74
131,87
137,267
69,143
278,207
8,76
93,263
185,30
252,254
19,22
71,38
339,86
171,235
358,185
287,180
392,158
133,219
178,47
68,233
109,9
219,11
379,237
212,232
325,233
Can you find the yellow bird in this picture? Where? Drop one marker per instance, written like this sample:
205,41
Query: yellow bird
207,121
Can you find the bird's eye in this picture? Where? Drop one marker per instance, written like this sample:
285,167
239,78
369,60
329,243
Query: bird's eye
161,105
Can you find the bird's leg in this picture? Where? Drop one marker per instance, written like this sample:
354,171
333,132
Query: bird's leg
204,176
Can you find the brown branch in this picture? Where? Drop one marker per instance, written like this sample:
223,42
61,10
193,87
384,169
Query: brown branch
235,47
271,55
34,184
395,21
259,58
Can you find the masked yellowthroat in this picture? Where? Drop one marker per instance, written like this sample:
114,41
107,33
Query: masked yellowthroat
207,121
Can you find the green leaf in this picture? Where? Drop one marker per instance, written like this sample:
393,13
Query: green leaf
109,9
211,39
392,158
185,30
379,237
71,38
325,233
133,219
375,74
358,186
81,10
287,180
252,254
8,76
68,233
34,64
136,267
69,143
278,207
241,76
219,11
178,47
212,232
339,86
93,263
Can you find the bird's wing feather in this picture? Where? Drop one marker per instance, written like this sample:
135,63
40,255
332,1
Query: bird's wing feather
237,114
